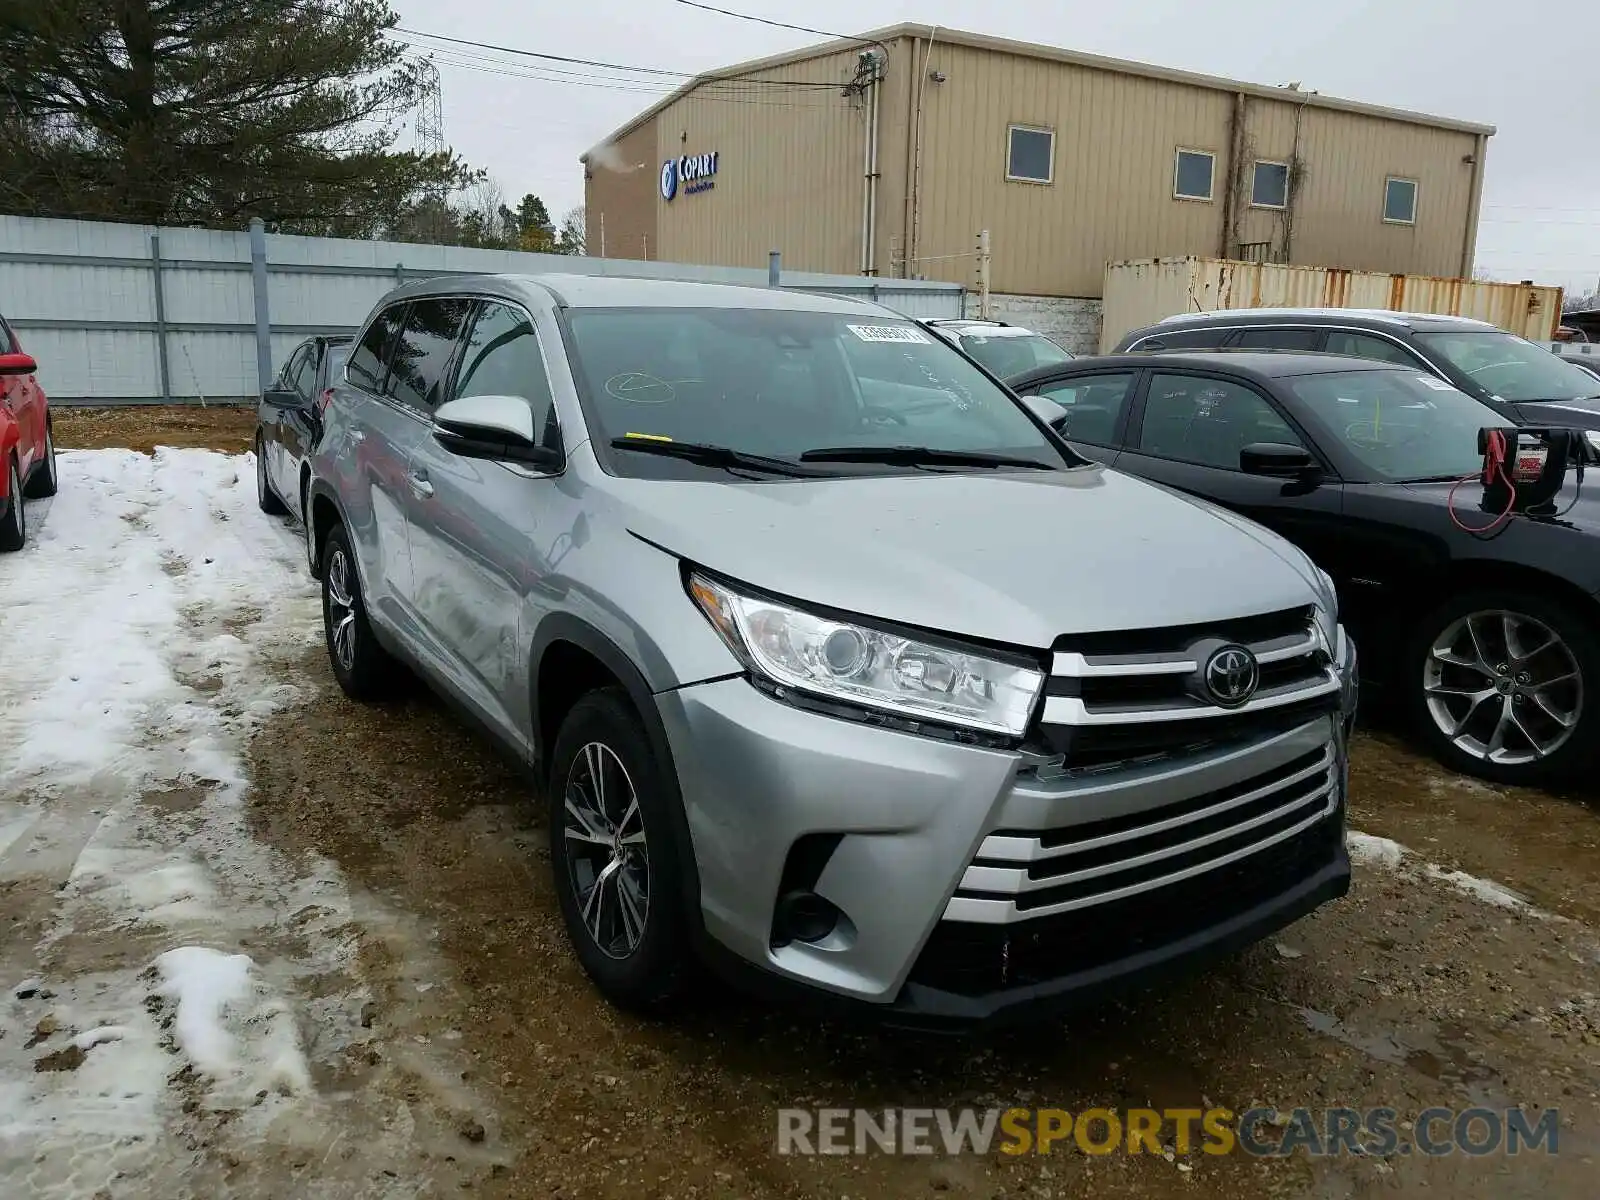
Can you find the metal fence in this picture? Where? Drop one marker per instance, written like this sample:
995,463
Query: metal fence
133,314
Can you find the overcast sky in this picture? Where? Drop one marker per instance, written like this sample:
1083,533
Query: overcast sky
1535,77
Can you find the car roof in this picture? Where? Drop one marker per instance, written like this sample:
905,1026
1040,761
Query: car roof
615,291
1255,364
1269,316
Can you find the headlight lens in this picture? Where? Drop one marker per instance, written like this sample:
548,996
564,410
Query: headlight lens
867,667
1332,592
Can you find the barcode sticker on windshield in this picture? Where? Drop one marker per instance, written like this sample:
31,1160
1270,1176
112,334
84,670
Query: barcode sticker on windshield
1437,385
888,333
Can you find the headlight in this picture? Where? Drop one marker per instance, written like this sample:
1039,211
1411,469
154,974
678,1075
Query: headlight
867,667
1332,592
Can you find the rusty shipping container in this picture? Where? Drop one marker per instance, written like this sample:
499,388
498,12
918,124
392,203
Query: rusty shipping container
1143,291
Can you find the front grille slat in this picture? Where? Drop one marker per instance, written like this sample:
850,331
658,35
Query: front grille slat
1118,696
1203,813
972,959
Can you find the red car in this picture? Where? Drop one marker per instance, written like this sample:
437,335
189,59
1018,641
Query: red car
27,446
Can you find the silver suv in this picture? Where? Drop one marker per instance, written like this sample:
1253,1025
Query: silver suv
838,668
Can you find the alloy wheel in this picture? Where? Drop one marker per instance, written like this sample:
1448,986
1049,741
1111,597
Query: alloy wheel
608,858
1503,687
341,609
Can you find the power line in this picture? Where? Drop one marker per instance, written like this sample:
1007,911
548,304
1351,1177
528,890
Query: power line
610,66
472,60
446,58
775,24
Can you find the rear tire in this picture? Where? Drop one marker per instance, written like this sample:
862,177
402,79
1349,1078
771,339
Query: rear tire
42,482
14,524
364,669
1534,722
265,496
614,855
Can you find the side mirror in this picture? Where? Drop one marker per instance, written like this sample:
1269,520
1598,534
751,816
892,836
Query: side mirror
283,398
1276,460
499,428
1047,410
18,364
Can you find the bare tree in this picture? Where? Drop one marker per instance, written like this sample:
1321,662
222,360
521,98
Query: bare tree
571,239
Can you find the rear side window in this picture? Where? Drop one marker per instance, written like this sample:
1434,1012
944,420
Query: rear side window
370,361
1182,339
422,355
1280,339
304,373
1361,345
502,358
8,341
291,366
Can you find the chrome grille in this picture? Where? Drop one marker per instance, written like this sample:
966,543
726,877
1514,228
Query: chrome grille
1122,696
1024,875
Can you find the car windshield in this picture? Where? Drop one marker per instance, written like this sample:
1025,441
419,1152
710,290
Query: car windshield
1510,368
1008,354
777,383
337,353
1400,425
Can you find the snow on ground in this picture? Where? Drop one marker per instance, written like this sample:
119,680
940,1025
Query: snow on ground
168,984
1384,854
145,629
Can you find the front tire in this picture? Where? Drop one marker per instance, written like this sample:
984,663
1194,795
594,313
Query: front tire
364,669
613,853
1505,685
14,524
42,483
265,496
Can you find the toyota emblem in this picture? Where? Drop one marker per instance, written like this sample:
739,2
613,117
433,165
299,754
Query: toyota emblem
1231,675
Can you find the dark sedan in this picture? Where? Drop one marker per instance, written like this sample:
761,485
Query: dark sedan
1491,640
289,421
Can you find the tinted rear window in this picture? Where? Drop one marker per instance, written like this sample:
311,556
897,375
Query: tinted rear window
1181,339
369,363
417,372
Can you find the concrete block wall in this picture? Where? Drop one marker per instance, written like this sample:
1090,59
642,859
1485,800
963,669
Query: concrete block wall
1073,322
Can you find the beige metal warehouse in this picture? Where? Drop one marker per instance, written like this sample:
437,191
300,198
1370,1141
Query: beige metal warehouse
887,154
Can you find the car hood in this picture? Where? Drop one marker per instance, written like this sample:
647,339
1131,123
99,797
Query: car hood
1576,414
1013,557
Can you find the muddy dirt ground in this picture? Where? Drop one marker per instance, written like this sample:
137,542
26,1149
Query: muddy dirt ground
481,1042
226,427
1409,993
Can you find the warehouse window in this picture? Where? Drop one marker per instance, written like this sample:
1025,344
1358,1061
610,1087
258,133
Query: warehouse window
1400,201
1192,175
1270,185
1030,154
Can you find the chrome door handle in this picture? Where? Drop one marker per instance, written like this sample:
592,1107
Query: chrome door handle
420,487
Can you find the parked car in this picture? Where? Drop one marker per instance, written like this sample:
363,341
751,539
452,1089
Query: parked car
1492,644
868,688
1518,378
27,440
289,421
1000,348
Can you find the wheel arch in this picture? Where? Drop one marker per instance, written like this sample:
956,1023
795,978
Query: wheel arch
323,513
568,657
1478,575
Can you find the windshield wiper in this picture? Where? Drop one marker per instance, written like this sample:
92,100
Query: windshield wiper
920,456
713,456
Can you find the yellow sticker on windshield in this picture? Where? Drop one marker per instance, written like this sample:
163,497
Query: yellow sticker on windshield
649,437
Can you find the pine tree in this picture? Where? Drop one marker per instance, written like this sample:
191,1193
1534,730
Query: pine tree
210,112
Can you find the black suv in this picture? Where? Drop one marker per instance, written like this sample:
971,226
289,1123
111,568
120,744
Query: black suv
1517,377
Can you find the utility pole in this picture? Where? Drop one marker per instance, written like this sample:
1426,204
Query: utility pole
984,309
602,235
